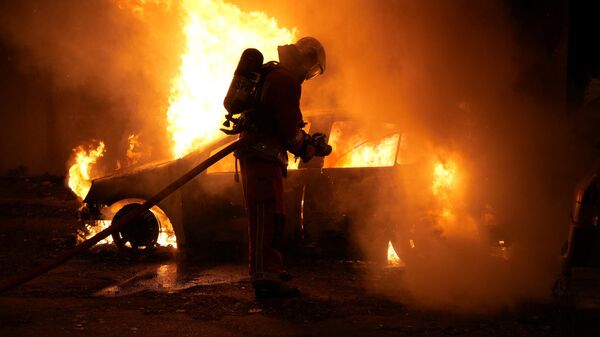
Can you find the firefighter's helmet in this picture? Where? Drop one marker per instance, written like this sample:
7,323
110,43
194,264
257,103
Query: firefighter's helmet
313,56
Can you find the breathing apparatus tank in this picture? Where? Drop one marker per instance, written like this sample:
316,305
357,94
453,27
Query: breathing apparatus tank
242,91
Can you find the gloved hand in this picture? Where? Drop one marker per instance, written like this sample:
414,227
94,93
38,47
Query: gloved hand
314,145
318,141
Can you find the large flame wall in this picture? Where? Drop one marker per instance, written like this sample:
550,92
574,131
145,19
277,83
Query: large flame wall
216,33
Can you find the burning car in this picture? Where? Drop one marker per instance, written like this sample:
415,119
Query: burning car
360,194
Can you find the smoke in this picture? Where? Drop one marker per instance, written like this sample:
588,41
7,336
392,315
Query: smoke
107,67
464,83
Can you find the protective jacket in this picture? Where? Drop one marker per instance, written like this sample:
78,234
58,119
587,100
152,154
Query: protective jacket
278,118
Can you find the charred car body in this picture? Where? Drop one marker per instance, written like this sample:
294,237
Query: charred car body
332,204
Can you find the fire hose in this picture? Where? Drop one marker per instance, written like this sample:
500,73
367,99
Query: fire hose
120,223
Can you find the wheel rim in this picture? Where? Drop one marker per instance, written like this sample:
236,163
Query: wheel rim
140,234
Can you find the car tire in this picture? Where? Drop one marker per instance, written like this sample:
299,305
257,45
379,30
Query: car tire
140,234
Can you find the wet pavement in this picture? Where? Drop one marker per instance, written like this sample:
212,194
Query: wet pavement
170,278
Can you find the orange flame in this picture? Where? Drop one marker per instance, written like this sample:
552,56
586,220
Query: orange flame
450,215
92,228
166,235
356,150
392,258
134,153
79,172
216,33
443,186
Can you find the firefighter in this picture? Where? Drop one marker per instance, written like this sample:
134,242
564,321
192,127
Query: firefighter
277,129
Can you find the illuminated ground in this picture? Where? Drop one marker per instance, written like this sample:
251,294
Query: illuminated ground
106,294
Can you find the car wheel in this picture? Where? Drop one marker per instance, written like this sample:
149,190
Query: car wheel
140,234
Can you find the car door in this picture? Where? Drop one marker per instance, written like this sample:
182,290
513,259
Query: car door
355,194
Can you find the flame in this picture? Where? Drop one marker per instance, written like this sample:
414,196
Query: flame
352,149
293,162
216,34
443,187
92,228
79,176
166,235
134,153
450,214
79,172
392,258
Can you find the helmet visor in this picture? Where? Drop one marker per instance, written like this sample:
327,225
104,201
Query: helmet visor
314,71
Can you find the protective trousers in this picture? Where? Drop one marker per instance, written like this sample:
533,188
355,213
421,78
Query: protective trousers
262,182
